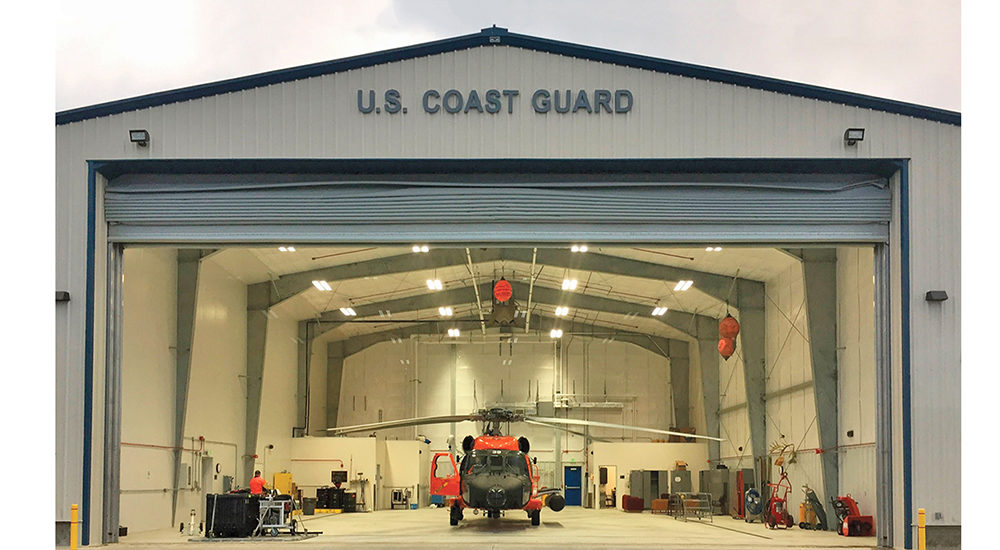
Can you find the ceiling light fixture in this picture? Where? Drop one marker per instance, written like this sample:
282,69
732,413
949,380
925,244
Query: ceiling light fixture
713,249
562,311
322,286
286,249
683,285
454,332
578,248
445,311
434,284
418,248
659,311
348,311
555,333
569,284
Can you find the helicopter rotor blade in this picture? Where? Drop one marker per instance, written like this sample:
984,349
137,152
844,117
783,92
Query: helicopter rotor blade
406,422
574,432
595,424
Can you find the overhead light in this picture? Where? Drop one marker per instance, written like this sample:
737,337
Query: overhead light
713,249
286,249
139,137
418,248
683,285
322,285
578,248
562,311
555,333
569,284
434,284
853,135
506,362
445,311
659,311
454,332
396,340
348,311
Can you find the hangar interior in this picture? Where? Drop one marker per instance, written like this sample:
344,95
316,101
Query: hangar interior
241,358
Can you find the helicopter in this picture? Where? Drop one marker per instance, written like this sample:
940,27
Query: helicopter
495,473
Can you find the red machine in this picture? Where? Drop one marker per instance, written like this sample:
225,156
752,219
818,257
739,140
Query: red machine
852,523
777,507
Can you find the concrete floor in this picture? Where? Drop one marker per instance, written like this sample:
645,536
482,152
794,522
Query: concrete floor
577,528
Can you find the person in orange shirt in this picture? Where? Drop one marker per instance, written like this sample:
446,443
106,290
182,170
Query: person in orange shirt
257,484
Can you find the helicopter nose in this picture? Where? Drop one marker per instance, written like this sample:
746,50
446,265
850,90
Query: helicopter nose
496,497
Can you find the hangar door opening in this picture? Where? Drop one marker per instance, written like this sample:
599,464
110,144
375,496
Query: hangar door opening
264,349
218,266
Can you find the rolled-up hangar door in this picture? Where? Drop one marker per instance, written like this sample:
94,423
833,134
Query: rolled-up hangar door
499,208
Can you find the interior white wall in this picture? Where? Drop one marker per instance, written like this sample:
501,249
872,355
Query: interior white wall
628,456
856,374
149,336
313,458
278,404
217,390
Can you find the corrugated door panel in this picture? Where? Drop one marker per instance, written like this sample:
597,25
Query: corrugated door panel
228,212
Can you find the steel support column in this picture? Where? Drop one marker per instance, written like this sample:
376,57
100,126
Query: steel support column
819,268
708,359
188,266
750,302
304,340
680,386
334,374
113,398
258,302
883,400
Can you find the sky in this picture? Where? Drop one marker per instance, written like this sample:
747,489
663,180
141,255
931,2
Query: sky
902,50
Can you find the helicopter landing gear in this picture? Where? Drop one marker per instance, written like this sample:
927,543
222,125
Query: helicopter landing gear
536,517
456,515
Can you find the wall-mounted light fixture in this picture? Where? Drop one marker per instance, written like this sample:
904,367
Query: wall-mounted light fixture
139,137
936,296
853,135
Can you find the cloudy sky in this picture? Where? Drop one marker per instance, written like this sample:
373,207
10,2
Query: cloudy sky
904,50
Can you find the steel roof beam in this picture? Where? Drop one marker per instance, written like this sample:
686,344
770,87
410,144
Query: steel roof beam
720,287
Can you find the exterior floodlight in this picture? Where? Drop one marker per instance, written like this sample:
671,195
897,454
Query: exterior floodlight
322,286
139,137
555,333
348,311
853,135
683,285
569,284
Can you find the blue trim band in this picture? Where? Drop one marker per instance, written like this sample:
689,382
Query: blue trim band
88,354
505,38
904,256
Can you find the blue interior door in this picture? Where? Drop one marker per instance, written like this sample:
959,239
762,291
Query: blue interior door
572,478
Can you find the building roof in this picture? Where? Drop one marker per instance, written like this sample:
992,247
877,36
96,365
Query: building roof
493,36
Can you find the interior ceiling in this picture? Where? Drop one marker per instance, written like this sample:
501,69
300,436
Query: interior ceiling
255,265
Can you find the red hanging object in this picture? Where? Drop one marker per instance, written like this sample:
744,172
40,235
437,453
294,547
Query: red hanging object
502,291
727,346
729,327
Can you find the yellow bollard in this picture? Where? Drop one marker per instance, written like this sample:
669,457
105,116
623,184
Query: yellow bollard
73,521
921,529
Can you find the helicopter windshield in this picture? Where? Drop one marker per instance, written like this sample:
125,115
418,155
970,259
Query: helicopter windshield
494,461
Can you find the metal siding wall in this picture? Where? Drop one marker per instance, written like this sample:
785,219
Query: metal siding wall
674,117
